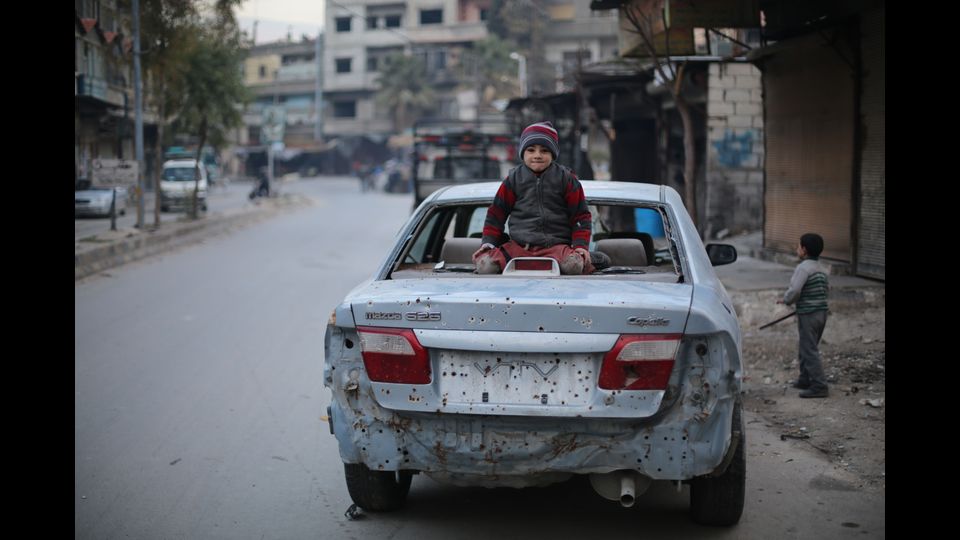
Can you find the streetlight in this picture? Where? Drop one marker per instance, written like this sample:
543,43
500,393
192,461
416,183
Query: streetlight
521,72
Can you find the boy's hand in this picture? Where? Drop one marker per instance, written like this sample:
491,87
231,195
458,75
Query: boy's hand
584,254
483,248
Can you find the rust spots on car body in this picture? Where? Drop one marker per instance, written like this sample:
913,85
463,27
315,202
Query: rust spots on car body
563,444
441,453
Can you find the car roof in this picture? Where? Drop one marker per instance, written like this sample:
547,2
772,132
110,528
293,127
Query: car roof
180,163
592,189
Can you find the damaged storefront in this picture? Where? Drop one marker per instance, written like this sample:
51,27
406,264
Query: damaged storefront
824,114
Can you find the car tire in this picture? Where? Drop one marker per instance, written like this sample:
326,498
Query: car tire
718,500
377,491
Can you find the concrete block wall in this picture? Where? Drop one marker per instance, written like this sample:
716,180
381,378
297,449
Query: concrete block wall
734,165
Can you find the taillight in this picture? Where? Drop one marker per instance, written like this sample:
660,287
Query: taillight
640,362
394,355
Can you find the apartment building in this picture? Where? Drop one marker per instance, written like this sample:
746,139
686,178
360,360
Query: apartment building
577,36
360,34
102,77
283,74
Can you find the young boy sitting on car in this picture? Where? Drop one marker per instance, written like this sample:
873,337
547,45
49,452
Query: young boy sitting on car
546,207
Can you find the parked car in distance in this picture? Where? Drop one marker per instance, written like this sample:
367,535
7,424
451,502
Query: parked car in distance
177,185
89,201
630,375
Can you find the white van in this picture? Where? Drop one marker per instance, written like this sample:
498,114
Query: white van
177,183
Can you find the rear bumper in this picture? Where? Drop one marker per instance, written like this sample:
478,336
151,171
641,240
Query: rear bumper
485,447
181,199
91,211
687,437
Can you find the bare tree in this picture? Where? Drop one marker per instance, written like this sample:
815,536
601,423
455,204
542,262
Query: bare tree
645,23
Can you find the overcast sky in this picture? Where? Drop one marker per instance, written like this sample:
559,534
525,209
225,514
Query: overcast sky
278,17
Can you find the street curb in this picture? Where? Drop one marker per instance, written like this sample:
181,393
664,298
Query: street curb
174,235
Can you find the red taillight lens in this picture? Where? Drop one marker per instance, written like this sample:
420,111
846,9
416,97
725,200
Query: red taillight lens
640,362
533,265
393,355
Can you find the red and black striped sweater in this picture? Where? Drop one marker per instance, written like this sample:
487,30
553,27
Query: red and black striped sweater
544,211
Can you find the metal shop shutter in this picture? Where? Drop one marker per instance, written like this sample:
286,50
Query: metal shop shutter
809,101
871,230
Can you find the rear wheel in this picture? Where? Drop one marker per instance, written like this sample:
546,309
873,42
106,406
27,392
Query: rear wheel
376,491
719,500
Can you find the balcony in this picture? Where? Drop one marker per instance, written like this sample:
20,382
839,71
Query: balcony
94,87
99,88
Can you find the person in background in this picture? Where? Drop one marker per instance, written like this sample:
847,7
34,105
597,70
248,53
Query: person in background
808,289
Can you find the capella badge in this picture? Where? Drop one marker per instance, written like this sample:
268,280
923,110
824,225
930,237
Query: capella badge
648,321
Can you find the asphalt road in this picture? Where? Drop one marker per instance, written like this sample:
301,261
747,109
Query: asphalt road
198,404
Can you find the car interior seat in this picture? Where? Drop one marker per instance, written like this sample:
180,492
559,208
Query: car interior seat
645,238
459,250
623,251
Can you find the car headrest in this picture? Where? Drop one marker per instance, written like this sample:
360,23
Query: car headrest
459,250
623,251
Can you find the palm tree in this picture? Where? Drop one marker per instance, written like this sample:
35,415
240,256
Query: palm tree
404,89
492,71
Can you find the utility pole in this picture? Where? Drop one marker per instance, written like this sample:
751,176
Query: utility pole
318,97
138,107
521,72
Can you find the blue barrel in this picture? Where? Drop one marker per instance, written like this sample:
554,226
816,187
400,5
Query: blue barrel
649,221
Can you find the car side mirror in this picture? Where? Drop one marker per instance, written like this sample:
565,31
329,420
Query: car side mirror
721,254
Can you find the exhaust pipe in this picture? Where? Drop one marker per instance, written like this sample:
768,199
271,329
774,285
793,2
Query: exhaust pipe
623,486
627,489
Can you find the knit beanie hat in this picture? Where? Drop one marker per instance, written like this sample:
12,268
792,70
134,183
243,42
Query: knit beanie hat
540,133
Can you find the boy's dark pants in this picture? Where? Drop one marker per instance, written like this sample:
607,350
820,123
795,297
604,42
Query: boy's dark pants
810,326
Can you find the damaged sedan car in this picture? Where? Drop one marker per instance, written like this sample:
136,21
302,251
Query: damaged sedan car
629,375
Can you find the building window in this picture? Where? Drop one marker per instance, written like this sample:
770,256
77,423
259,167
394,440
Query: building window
343,24
392,21
371,23
263,71
431,16
377,57
484,14
343,65
344,109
